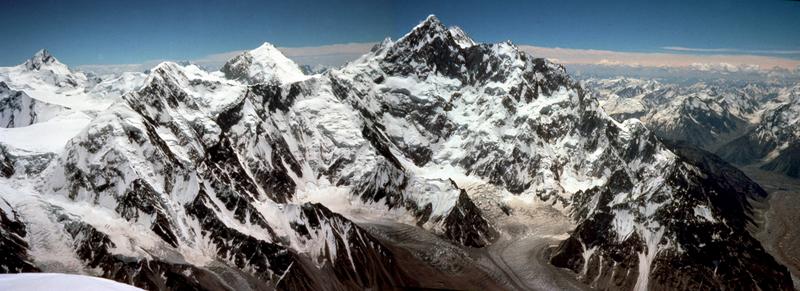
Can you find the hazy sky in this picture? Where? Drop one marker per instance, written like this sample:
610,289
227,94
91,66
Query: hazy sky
123,32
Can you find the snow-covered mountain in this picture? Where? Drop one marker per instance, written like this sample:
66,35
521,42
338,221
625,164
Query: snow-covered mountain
46,79
704,114
43,104
774,143
744,122
252,177
265,64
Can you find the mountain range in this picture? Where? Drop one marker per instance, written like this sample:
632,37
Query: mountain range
261,177
746,123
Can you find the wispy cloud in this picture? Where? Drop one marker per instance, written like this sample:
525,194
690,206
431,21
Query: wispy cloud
730,50
658,59
682,57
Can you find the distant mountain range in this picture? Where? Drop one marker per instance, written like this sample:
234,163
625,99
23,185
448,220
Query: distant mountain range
743,122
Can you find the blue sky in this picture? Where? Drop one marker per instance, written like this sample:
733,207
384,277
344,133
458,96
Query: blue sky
118,32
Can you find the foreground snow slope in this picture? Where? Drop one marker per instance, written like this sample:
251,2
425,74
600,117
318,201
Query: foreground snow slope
54,282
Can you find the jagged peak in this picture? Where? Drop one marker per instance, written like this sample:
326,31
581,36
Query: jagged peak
166,71
387,42
432,19
430,26
40,59
44,55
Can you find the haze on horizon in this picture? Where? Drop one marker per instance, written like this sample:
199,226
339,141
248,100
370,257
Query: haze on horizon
640,33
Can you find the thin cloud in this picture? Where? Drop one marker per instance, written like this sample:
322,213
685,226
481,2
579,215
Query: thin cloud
338,54
730,50
678,60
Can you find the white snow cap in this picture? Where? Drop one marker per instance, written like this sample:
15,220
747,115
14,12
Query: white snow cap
432,19
268,63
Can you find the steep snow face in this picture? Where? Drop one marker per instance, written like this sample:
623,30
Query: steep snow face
17,109
488,110
58,131
265,64
461,37
520,123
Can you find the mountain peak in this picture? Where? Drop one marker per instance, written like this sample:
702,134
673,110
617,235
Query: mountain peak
265,46
263,64
166,66
40,59
432,19
43,54
430,26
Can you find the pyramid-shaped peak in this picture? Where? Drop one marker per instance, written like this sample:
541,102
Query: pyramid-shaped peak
269,53
43,54
266,46
263,64
430,26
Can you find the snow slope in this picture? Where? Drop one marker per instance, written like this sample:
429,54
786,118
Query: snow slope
46,79
54,282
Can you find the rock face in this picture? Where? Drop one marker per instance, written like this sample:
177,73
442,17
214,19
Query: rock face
692,250
195,181
676,237
14,257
